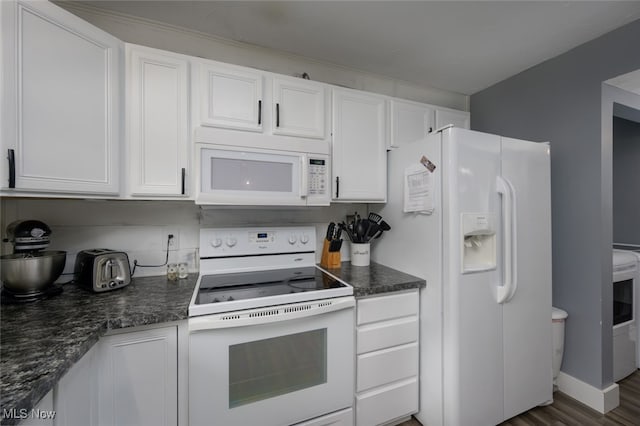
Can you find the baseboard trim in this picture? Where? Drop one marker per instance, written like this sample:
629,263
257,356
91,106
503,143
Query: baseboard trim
601,400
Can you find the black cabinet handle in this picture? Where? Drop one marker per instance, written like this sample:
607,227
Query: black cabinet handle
12,168
259,113
430,129
337,186
277,115
184,172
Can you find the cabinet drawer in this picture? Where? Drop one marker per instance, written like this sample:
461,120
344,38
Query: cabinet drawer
388,403
380,335
388,307
386,366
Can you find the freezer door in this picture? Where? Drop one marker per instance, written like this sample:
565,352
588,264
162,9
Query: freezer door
472,329
527,315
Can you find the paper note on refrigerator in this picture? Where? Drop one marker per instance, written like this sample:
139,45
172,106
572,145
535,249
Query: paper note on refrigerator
418,190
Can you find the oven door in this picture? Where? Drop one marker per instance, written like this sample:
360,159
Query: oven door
237,176
272,366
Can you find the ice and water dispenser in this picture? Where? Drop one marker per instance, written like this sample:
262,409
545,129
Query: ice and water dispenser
479,243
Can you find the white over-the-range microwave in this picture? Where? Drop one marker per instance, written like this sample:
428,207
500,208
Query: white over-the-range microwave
244,170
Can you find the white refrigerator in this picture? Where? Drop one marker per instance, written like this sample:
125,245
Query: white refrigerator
481,237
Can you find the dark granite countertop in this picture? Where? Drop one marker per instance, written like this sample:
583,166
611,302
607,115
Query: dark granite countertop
375,279
41,341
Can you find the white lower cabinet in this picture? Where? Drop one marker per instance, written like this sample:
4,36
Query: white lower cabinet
387,358
130,378
42,415
75,395
138,378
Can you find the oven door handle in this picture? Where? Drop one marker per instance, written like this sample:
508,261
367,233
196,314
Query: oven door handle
270,314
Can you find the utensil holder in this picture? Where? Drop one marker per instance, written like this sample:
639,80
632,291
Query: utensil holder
329,259
360,254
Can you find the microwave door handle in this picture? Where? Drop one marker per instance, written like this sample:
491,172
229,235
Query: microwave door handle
304,176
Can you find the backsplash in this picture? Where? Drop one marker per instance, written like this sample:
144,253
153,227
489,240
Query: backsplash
140,228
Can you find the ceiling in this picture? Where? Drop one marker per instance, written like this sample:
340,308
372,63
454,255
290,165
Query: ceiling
460,46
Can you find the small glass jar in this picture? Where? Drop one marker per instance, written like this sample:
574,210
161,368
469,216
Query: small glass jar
183,270
172,272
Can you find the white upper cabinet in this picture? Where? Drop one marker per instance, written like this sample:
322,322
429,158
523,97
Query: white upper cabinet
157,122
61,110
410,122
230,96
450,116
359,146
299,107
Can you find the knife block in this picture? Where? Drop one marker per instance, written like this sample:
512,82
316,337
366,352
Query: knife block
329,259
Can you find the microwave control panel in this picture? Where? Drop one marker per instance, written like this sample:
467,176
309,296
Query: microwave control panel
318,176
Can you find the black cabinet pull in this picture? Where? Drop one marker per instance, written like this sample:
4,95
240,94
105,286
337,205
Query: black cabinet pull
277,115
430,129
259,113
184,172
12,168
337,186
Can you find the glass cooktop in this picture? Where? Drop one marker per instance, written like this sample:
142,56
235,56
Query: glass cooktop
260,284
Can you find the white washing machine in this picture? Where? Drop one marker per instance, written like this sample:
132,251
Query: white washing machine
625,333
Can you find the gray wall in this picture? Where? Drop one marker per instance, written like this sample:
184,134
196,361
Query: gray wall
626,181
560,101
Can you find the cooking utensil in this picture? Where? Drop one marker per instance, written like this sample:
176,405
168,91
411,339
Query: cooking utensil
373,229
361,230
29,272
330,230
346,229
384,226
375,217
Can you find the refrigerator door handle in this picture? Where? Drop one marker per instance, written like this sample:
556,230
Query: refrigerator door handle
508,289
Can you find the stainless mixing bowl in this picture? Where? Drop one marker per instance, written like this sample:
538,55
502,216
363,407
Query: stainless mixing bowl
27,272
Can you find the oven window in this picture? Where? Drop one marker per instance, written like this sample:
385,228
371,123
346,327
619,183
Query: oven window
622,301
266,368
229,174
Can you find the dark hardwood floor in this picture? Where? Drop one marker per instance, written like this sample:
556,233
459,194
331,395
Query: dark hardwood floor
566,411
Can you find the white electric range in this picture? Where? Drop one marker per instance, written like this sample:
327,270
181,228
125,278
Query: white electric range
270,333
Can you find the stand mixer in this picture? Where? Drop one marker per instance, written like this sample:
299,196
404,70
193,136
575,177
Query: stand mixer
28,274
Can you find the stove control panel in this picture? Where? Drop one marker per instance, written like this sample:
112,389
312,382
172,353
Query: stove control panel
225,242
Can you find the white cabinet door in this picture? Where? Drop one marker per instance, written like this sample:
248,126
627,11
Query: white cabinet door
359,146
138,378
158,122
62,112
230,96
299,107
42,414
76,394
460,119
410,122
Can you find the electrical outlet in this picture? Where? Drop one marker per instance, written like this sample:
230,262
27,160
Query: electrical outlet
174,243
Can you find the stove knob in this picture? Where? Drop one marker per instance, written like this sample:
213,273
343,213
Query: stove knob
216,243
304,239
231,241
292,239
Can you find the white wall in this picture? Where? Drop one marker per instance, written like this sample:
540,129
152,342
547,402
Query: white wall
163,36
140,228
